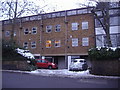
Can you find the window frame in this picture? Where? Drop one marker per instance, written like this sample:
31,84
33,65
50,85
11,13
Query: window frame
57,43
34,30
33,44
48,45
7,33
48,27
74,42
85,25
85,41
26,31
25,45
57,28
74,26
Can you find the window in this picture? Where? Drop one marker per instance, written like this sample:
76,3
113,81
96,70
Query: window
7,33
34,18
57,43
99,41
25,45
114,21
58,14
48,44
62,13
85,41
113,40
97,23
6,22
53,15
43,61
74,42
75,26
39,61
118,40
82,11
39,17
84,25
34,30
48,28
71,12
114,12
26,31
57,28
33,44
99,13
49,15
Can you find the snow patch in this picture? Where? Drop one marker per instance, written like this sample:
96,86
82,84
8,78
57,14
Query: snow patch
25,53
63,72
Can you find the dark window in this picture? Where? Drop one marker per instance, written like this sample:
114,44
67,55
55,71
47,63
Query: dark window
39,61
81,60
57,28
26,31
34,30
43,61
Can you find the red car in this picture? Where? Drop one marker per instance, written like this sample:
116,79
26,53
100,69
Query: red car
43,63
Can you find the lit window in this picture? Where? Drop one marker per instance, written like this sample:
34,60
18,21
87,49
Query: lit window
85,41
26,31
34,30
7,33
74,42
33,44
57,43
84,25
57,28
74,26
48,28
25,45
48,44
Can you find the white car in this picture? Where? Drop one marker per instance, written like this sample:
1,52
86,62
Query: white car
25,53
78,65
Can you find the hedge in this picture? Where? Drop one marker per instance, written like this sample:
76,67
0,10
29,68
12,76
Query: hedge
104,53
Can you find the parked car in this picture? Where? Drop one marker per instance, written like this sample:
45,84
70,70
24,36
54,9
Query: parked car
78,65
43,63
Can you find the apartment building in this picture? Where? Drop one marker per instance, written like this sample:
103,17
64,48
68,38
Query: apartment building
58,36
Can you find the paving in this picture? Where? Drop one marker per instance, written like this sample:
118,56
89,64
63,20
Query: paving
64,73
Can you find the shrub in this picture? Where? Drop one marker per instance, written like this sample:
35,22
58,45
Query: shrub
104,53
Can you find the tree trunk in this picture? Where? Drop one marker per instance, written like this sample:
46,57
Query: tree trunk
104,8
13,23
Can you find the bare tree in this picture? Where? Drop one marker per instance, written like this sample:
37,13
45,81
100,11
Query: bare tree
14,9
104,8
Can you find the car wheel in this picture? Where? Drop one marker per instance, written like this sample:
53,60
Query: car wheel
49,67
85,67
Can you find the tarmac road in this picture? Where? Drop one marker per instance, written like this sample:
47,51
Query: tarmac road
19,80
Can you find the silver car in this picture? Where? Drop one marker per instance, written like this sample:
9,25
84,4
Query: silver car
78,65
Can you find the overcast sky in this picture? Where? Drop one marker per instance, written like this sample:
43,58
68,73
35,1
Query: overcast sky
57,5
60,5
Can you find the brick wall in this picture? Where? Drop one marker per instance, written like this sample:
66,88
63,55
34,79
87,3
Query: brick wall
64,34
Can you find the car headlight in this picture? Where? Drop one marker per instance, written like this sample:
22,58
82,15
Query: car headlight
53,64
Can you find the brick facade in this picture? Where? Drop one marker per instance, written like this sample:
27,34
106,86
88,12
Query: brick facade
85,37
